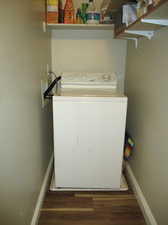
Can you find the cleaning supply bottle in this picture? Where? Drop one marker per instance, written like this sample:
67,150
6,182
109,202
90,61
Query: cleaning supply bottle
84,7
61,12
91,6
69,16
93,16
52,11
78,16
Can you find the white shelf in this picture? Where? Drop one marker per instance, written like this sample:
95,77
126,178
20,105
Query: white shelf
81,26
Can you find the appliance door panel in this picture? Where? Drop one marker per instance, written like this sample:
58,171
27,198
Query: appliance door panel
88,140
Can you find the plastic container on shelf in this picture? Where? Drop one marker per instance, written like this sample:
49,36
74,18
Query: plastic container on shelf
129,13
84,7
79,17
104,6
61,12
52,11
69,12
142,8
93,16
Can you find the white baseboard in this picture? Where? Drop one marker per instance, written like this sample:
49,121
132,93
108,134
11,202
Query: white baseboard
149,217
43,190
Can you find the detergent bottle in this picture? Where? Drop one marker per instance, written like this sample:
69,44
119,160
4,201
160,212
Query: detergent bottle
69,14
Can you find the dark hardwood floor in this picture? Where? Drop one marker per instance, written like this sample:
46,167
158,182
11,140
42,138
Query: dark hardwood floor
91,208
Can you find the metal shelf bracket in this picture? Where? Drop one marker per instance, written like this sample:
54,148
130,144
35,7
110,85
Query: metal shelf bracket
162,22
133,39
145,33
44,26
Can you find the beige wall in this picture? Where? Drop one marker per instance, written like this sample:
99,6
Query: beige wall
147,89
88,51
25,136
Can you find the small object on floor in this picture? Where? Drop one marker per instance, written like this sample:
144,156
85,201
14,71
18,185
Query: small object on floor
129,147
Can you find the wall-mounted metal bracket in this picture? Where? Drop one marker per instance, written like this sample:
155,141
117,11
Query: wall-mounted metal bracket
44,26
146,33
162,22
133,39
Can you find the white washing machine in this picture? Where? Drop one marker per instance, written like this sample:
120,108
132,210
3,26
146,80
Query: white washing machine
89,118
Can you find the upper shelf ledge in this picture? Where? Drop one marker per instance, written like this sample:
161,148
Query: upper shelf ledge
81,26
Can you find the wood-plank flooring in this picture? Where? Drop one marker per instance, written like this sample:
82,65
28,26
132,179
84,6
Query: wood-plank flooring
91,208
